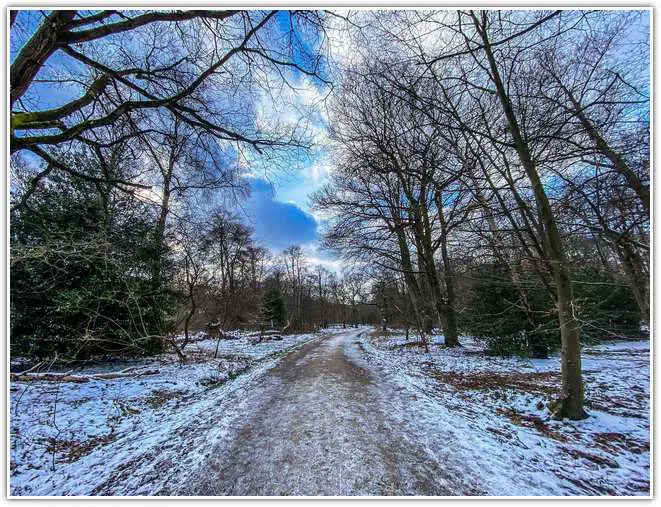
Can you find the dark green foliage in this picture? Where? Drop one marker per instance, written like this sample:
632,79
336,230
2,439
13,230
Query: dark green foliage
511,320
606,306
510,324
273,309
80,280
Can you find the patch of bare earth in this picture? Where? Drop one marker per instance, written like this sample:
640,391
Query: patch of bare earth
537,382
598,450
73,450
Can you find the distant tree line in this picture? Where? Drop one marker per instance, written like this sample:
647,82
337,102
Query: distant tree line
83,276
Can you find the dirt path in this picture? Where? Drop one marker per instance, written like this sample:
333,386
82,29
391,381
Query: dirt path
319,426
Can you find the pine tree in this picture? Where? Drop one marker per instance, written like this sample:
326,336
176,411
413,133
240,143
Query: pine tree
272,314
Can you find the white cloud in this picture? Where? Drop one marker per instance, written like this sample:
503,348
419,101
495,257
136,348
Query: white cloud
314,256
300,185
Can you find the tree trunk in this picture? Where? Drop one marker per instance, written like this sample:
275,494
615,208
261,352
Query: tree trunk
638,278
155,344
34,54
428,297
570,404
427,278
384,309
193,303
448,304
419,313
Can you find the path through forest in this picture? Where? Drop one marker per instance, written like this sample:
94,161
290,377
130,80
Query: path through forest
342,413
320,426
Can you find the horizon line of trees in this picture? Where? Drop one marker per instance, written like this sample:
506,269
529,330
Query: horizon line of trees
82,277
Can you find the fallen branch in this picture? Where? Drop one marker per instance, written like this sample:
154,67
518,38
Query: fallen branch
35,367
68,377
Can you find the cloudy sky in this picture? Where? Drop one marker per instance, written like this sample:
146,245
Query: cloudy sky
280,222
279,209
279,206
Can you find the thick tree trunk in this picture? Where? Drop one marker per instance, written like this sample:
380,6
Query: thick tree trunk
450,330
570,404
447,309
415,296
428,297
34,54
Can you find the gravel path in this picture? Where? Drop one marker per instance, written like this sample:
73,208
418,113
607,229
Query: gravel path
318,424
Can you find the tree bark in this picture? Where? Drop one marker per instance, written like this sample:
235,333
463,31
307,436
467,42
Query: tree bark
155,345
415,295
570,404
449,303
637,275
35,53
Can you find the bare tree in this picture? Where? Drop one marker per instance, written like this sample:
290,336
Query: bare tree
129,66
294,264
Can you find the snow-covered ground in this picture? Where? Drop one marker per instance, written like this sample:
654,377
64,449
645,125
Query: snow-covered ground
466,423
132,435
488,415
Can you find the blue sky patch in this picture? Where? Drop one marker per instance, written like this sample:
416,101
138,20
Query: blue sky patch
278,224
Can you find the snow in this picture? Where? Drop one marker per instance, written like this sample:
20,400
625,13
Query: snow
493,412
130,436
471,424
